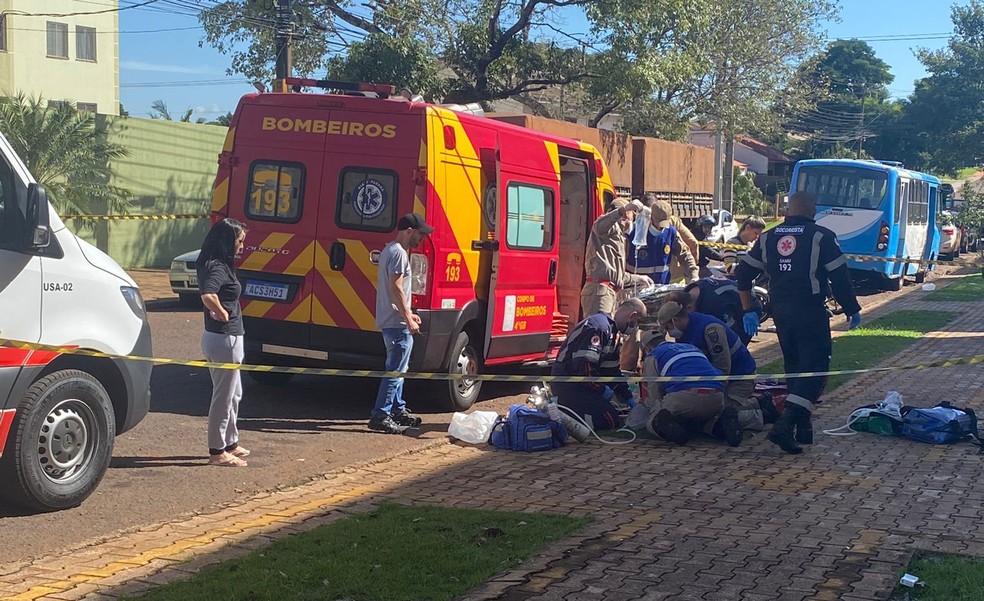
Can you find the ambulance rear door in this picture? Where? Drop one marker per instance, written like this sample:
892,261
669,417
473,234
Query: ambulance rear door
523,289
368,183
275,189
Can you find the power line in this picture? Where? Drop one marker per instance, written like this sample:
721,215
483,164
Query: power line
78,14
121,32
186,83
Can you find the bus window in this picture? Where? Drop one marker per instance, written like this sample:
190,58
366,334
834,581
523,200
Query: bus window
848,187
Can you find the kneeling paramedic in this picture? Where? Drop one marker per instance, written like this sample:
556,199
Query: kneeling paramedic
684,408
592,349
721,345
800,258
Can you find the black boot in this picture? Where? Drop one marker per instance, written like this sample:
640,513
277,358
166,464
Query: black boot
768,406
782,432
666,426
728,427
804,427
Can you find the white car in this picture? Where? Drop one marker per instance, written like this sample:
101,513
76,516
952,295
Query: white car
184,278
725,227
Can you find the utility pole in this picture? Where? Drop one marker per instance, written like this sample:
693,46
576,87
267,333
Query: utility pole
861,133
717,167
284,31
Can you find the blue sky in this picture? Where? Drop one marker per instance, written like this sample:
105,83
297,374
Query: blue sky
170,65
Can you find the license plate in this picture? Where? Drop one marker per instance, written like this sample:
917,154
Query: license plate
193,281
269,290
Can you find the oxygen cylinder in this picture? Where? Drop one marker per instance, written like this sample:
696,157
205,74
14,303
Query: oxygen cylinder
576,429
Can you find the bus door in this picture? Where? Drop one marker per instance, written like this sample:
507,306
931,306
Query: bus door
902,215
523,288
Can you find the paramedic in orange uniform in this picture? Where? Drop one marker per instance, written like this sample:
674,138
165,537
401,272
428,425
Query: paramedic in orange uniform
604,260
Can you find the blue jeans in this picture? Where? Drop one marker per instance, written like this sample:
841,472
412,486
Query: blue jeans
399,343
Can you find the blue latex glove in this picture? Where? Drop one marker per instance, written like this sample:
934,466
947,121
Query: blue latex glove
750,320
608,393
853,321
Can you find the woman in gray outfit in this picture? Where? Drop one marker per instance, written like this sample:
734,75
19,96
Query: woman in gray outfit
222,341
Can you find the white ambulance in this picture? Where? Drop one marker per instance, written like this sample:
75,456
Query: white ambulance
60,413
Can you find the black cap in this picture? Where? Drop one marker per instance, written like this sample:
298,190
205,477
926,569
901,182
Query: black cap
414,221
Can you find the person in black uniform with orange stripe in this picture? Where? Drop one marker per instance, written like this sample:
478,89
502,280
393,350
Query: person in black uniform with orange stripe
803,261
592,349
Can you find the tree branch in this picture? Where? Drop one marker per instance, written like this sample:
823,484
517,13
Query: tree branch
535,85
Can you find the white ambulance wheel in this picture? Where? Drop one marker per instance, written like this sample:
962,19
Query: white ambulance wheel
465,360
61,443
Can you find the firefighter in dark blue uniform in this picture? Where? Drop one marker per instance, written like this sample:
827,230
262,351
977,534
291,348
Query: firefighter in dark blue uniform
800,258
592,349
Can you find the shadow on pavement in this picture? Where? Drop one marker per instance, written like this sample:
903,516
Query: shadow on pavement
139,462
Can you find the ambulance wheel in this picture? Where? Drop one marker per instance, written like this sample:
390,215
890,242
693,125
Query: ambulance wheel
60,444
465,360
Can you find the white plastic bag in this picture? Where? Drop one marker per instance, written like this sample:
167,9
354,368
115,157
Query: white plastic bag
474,427
637,417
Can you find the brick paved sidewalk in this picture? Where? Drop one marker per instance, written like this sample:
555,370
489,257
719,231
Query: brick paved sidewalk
699,522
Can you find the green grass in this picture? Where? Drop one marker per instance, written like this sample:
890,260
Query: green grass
947,578
966,172
395,553
874,341
970,288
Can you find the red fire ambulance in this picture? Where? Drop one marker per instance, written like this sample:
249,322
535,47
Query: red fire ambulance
320,180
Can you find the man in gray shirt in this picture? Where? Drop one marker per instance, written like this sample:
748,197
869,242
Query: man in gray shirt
397,322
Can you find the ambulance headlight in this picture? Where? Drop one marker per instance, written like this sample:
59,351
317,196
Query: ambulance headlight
418,273
133,298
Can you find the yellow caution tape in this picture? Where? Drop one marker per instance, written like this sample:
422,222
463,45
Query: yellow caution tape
862,258
134,217
367,373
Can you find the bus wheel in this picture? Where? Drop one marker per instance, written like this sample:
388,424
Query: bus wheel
895,284
465,360
61,442
920,276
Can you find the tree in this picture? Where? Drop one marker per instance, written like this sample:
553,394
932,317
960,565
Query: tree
651,54
225,120
68,152
484,46
947,107
850,84
749,51
748,199
159,110
403,62
971,212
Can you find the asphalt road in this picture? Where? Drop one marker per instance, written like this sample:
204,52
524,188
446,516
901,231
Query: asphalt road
297,432
301,431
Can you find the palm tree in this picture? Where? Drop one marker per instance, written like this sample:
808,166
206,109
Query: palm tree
68,152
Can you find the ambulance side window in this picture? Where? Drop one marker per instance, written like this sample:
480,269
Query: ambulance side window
275,192
8,206
529,217
367,199
609,198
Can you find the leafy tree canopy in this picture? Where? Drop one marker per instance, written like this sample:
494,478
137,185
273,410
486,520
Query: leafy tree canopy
947,107
67,151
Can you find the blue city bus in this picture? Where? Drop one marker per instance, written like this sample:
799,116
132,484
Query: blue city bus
877,209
